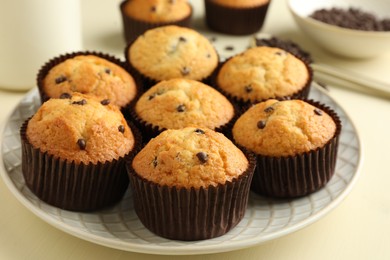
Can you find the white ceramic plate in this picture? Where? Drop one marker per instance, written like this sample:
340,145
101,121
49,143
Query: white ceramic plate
118,227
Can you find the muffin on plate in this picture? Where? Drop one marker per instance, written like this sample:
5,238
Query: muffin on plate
295,142
177,103
169,52
191,184
141,15
236,17
91,73
263,73
74,151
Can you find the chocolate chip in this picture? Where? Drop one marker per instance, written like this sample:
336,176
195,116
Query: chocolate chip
155,162
261,124
153,9
318,112
208,55
213,39
65,96
181,108
107,70
199,131
229,48
60,79
278,53
121,129
182,39
171,1
351,18
202,156
80,102
185,71
81,143
248,88
269,109
105,102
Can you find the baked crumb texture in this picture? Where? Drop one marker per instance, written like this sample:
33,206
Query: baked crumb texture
296,144
191,184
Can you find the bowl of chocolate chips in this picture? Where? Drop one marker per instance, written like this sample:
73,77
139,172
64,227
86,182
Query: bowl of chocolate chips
349,28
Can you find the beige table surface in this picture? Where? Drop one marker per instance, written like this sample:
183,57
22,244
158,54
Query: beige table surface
359,228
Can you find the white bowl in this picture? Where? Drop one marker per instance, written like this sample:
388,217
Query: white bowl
345,42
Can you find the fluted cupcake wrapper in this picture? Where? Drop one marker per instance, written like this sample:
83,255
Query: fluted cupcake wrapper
74,186
132,28
235,21
44,70
244,104
295,176
191,214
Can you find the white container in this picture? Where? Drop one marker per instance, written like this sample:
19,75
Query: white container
31,33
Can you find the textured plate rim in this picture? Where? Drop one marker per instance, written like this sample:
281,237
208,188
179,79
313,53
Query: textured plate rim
203,249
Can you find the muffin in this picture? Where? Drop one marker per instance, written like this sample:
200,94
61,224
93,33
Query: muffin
263,73
177,103
89,73
74,151
169,52
295,142
236,17
141,15
190,184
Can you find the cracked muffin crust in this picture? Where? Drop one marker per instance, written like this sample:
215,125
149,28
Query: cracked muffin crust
80,128
173,52
261,73
178,103
190,157
283,128
157,11
93,75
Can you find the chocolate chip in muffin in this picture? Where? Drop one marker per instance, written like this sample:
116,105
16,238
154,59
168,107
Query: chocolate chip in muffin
65,96
269,109
202,156
155,162
121,129
182,39
318,112
185,71
105,102
261,124
107,70
60,79
153,9
248,88
80,102
181,108
199,131
81,143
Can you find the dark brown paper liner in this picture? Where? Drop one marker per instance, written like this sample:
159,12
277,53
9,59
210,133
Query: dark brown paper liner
75,186
132,28
191,214
44,70
244,104
148,82
295,176
235,21
149,130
